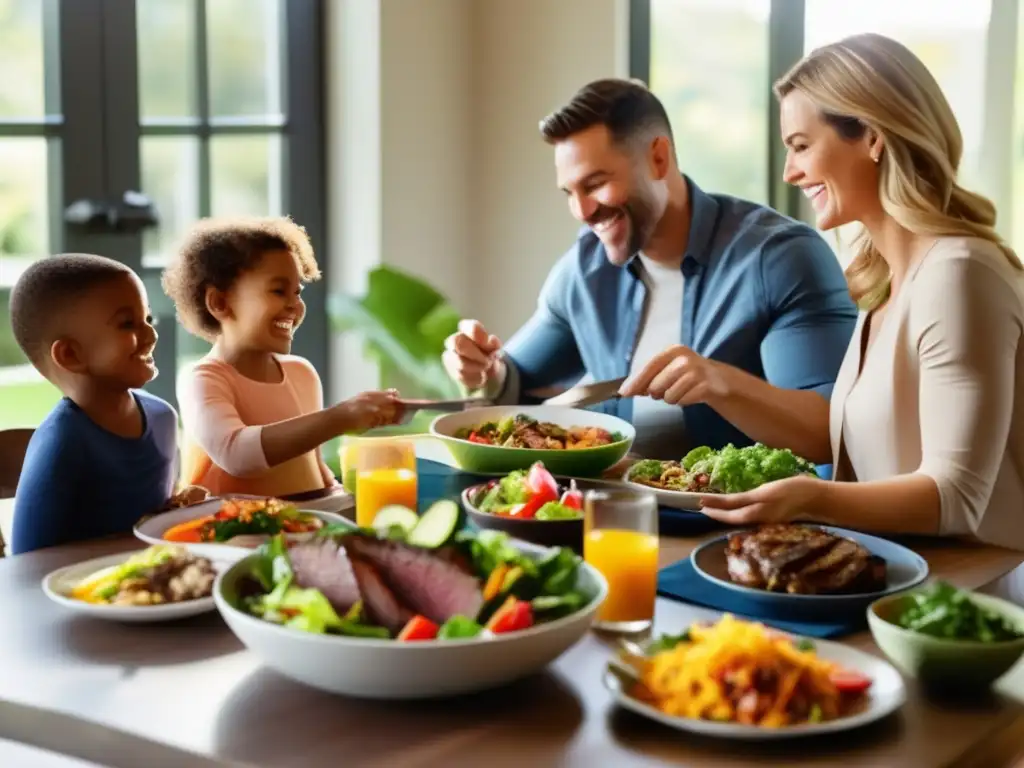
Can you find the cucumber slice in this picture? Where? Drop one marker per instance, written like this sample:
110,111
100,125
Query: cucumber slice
395,516
436,526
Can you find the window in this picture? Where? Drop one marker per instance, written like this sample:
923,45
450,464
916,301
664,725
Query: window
709,65
203,106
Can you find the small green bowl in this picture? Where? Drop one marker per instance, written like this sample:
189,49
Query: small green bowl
496,459
957,665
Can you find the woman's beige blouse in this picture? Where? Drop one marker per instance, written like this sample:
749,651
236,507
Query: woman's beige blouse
942,389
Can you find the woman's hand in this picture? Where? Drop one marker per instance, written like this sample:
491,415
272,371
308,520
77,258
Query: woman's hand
783,501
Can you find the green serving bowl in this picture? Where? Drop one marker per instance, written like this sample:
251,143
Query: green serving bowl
494,459
945,664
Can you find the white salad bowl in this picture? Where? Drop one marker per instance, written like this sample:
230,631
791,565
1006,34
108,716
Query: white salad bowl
390,669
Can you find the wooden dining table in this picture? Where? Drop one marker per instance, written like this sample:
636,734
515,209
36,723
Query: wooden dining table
188,693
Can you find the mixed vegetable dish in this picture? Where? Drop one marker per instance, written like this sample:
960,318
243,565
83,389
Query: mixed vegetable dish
244,517
742,672
522,431
532,494
410,579
949,613
155,576
729,470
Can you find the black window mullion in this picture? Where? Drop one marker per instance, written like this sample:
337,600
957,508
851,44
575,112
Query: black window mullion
304,195
786,28
202,91
640,40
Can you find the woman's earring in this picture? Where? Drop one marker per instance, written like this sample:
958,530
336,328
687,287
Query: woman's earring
876,158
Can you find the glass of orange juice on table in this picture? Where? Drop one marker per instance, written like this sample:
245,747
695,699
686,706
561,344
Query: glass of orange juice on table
620,539
385,474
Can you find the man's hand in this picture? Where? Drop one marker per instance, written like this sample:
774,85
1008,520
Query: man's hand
471,355
679,376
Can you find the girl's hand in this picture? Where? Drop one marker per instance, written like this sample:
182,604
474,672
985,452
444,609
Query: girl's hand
780,502
369,409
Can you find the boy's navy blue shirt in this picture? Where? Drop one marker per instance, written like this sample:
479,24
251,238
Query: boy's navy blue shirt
80,481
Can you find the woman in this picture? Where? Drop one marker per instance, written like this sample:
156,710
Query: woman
927,412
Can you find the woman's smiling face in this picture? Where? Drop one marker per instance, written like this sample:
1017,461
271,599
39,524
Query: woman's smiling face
837,173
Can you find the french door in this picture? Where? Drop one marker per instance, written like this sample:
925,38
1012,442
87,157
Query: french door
124,121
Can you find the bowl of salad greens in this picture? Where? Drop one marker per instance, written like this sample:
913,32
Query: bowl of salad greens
948,637
705,471
532,505
414,608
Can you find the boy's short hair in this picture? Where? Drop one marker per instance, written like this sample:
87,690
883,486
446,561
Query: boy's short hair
217,251
43,299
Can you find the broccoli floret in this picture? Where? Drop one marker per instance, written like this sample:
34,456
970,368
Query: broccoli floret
647,468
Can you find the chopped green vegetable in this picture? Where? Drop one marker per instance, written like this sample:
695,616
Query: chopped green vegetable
435,526
395,521
803,644
555,606
946,612
815,715
458,627
668,642
648,468
555,510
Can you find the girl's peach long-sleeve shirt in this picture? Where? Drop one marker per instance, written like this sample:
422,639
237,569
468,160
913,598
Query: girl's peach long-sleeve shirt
223,413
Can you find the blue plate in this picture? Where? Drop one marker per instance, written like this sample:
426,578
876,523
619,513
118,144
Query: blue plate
904,569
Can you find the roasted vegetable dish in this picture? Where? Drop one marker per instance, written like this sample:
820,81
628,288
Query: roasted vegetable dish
244,517
521,431
742,672
155,576
379,583
730,470
948,613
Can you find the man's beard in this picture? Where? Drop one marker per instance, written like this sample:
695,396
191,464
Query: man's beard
636,213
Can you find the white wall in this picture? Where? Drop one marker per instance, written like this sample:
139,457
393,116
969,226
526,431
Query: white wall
435,163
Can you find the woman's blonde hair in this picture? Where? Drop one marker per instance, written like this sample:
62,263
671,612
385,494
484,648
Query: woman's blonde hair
873,82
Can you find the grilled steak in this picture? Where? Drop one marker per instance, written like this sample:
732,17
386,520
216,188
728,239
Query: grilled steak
380,604
323,565
435,583
802,559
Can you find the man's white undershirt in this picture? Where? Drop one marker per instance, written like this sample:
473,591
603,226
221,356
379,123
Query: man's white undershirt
659,427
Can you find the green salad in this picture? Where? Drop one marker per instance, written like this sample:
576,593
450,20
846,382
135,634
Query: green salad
946,612
531,494
729,470
377,583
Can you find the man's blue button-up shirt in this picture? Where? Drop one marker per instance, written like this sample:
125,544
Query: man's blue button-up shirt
762,292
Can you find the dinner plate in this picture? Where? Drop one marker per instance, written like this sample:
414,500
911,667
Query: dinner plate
151,530
685,500
904,569
886,695
58,585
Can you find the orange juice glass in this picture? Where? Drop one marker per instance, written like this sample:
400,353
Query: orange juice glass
385,472
620,539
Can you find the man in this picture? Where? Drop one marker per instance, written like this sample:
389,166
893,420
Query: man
680,290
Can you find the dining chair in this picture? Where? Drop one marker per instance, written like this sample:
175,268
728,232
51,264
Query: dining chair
13,444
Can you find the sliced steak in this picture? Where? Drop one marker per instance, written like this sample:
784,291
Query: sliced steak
323,565
380,604
434,583
802,560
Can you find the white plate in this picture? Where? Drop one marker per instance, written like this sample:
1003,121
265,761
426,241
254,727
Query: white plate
152,529
58,585
886,694
673,499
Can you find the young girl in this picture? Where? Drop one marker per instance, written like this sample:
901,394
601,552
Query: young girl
253,414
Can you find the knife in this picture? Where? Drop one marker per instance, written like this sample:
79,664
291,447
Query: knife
457,404
583,395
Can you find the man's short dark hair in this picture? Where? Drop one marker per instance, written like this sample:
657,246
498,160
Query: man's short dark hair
44,296
627,108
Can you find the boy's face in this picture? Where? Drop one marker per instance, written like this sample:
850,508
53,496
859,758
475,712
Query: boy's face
266,304
111,337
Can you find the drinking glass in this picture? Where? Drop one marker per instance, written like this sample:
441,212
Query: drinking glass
385,474
620,539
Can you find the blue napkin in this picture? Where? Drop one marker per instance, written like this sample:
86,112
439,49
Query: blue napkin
680,581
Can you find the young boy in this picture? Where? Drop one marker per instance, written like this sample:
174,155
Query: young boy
106,455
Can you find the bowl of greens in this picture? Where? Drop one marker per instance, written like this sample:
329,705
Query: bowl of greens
947,637
705,472
503,438
413,609
532,505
